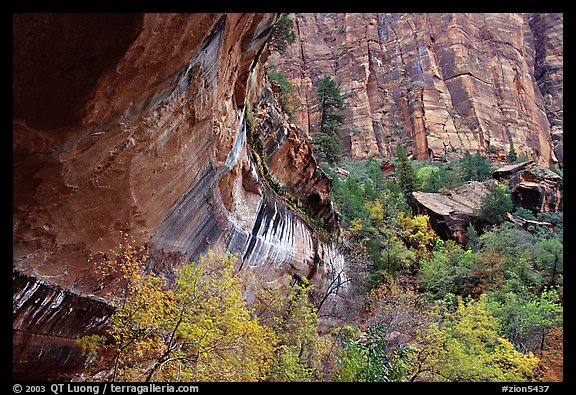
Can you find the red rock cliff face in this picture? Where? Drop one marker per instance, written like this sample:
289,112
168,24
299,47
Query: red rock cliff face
137,124
549,71
438,82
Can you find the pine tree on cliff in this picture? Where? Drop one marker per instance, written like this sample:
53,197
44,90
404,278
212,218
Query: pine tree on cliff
512,155
475,167
406,175
326,141
282,33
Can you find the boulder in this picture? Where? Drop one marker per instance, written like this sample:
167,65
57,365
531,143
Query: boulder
533,187
451,213
387,167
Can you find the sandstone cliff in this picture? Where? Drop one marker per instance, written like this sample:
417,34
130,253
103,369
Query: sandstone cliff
160,126
437,82
137,124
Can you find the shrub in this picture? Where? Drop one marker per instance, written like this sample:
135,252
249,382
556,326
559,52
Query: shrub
289,101
496,203
465,346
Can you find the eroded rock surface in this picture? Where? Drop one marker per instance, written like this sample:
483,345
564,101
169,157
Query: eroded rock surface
437,82
450,213
533,187
549,71
137,124
47,320
289,158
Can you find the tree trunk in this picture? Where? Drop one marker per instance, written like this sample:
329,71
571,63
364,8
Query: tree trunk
542,342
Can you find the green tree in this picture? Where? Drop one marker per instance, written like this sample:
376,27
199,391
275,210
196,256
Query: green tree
511,259
524,213
282,33
496,203
407,178
326,141
370,189
287,98
526,321
374,173
557,221
475,167
446,270
548,255
488,272
512,155
508,240
434,177
484,167
429,179
350,198
372,359
465,346
472,238
393,256
467,167
327,147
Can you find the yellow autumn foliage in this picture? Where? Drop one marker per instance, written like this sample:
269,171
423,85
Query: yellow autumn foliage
199,329
465,346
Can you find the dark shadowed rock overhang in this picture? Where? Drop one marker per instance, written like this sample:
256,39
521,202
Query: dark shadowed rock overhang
137,124
47,320
533,187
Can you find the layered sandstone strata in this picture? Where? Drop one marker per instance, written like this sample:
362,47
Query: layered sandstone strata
136,124
549,71
437,82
